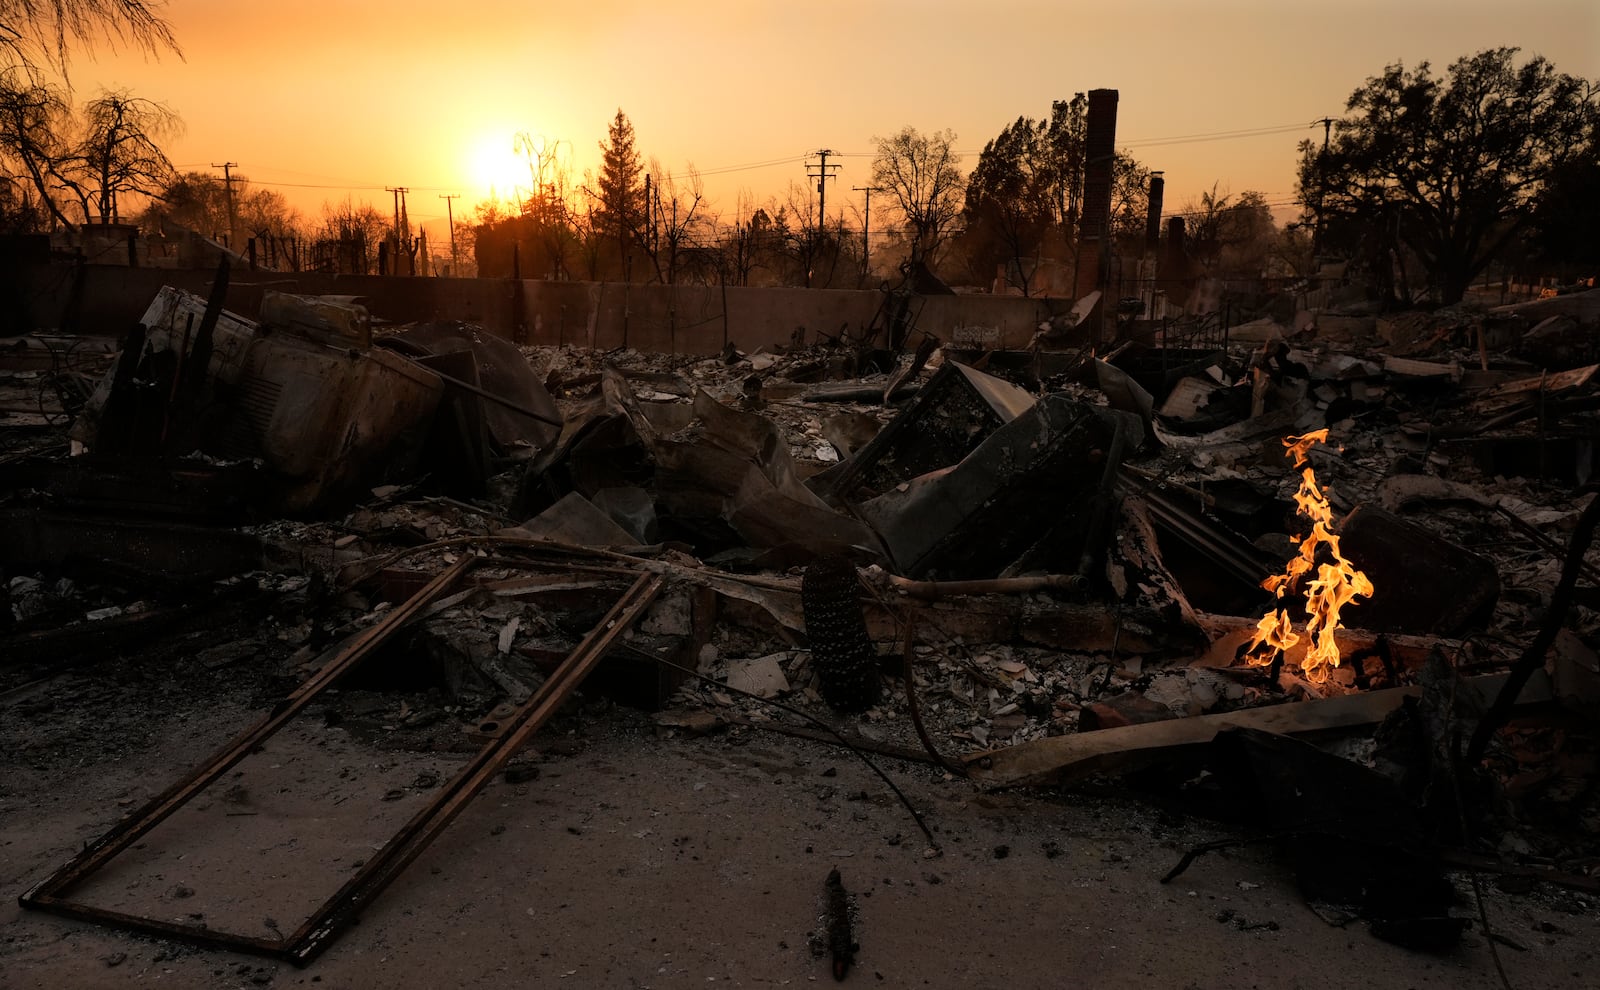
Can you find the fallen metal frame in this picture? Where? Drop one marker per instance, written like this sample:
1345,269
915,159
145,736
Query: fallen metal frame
339,911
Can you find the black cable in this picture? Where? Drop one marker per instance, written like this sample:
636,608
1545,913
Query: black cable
932,842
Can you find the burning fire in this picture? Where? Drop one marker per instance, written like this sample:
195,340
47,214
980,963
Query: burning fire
1336,583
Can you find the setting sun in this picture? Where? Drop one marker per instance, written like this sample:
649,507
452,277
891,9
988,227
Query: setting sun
495,170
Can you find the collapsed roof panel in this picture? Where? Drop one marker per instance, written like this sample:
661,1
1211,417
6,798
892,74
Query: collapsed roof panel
324,416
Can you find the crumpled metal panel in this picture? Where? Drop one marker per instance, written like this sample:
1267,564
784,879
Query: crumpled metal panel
1032,482
953,413
324,420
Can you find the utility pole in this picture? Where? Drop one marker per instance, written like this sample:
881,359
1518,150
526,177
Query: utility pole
866,224
233,216
822,175
398,243
1322,186
450,218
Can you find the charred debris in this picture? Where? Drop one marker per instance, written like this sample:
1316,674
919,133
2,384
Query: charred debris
1027,568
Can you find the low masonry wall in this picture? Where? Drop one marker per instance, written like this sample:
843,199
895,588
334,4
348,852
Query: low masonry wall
692,319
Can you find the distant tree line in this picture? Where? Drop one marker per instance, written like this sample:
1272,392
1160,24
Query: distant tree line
1424,183
1017,209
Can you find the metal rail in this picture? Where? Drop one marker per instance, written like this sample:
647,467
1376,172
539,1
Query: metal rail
46,893
340,910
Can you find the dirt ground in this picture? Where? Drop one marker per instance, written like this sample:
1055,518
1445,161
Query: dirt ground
633,859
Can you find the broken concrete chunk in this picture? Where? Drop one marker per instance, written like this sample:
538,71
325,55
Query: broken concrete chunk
508,635
670,615
762,677
1398,367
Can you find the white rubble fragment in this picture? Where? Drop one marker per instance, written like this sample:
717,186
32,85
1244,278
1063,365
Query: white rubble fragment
508,633
762,677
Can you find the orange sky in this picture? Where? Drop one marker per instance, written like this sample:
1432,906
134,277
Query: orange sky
321,99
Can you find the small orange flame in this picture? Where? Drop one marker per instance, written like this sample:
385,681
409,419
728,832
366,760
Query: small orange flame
1336,584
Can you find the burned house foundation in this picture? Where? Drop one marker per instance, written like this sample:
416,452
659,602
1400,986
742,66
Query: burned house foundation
451,589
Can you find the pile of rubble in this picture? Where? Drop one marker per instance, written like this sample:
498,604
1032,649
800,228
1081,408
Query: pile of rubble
1052,562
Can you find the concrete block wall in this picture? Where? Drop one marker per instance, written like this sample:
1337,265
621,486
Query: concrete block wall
659,318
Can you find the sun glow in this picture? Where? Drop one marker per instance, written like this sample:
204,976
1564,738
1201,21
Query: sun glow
495,169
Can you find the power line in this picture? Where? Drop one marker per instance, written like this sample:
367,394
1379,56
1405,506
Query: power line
352,185
1248,132
1208,138
749,166
362,186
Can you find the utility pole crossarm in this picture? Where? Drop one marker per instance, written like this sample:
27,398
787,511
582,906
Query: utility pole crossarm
823,173
401,247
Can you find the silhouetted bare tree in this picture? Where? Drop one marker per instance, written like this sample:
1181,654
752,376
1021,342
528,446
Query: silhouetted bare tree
923,180
119,153
674,219
40,34
199,202
35,120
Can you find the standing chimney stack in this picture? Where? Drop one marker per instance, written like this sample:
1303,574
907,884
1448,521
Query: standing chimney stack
1099,153
1152,221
